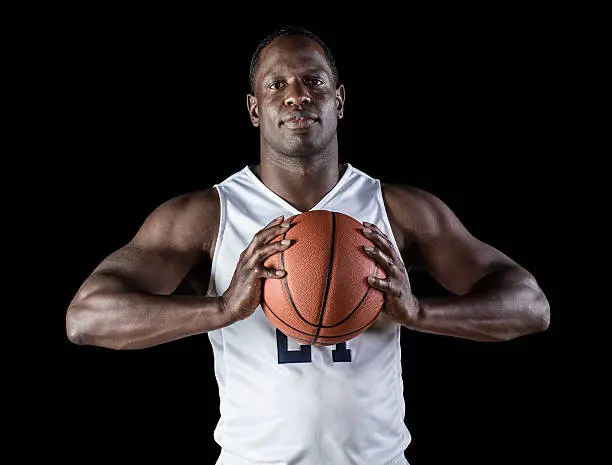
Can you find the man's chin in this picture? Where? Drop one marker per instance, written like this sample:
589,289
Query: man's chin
301,149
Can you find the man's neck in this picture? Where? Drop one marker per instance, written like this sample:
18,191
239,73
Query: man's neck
300,182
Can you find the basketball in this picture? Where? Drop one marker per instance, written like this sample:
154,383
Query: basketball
324,297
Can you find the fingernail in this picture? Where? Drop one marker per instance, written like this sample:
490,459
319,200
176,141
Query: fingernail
371,279
285,242
285,224
369,248
367,230
279,272
367,224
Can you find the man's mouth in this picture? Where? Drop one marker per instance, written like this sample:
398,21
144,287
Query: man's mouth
300,120
299,123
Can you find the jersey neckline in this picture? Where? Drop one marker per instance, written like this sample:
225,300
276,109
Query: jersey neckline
277,198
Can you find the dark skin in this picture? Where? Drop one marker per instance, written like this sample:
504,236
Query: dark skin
127,301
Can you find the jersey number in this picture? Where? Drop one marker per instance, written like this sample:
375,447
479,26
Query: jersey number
339,354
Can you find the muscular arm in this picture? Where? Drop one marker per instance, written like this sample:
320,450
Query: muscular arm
495,298
126,302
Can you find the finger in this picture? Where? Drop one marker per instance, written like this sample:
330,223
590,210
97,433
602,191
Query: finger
382,242
269,273
268,234
260,236
383,259
268,250
375,228
373,231
275,221
384,285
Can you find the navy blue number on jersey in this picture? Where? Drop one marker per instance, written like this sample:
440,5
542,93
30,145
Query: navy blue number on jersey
339,354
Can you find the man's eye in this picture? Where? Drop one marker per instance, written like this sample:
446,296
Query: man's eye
313,82
277,85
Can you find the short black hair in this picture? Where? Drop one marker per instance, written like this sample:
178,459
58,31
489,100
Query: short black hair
290,31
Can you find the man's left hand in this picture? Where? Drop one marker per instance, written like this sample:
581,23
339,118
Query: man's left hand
400,304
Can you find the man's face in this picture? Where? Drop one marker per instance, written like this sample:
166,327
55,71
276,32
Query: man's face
296,104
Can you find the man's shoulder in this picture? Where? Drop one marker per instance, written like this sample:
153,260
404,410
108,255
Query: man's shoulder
412,207
189,208
198,201
187,218
407,196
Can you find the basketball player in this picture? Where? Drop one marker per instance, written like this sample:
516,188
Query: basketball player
266,381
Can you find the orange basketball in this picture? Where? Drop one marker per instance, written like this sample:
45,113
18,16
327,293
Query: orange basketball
324,298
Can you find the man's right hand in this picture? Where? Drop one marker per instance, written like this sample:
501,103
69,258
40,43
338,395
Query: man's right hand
243,295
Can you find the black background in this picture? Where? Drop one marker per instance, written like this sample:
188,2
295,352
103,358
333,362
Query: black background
464,106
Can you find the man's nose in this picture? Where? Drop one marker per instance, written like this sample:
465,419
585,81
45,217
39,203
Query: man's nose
297,95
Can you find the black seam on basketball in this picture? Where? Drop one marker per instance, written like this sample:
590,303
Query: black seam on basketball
362,327
284,322
350,332
330,268
282,258
356,308
319,337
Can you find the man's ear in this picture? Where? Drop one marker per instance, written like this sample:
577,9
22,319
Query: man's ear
252,107
340,98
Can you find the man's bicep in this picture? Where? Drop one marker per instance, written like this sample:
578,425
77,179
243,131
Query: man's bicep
457,259
155,270
166,247
439,242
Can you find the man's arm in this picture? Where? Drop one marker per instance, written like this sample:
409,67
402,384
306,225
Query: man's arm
495,298
126,302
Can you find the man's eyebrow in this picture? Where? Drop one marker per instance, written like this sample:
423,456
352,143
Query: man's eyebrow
315,71
271,77
274,75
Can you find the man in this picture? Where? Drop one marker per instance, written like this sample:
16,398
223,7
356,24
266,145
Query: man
282,402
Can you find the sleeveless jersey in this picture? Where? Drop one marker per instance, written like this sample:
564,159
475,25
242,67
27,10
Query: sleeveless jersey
291,404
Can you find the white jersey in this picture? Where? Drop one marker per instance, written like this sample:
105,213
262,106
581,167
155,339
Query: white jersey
282,403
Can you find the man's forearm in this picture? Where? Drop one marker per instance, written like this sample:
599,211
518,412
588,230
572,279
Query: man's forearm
132,320
504,305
